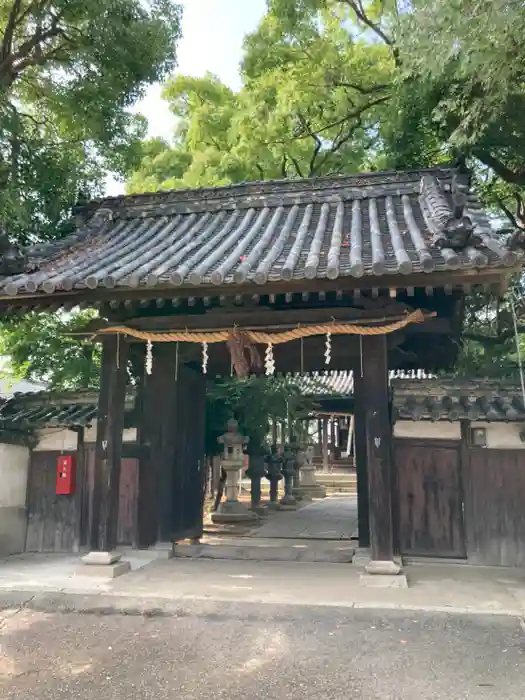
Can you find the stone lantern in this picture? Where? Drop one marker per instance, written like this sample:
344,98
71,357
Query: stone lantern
309,486
274,463
232,510
288,501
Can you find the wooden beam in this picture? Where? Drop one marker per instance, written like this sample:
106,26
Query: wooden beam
108,450
378,436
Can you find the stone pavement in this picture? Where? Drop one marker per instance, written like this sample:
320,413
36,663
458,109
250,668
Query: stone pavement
280,571
332,518
48,582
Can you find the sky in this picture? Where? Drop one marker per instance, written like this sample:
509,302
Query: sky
212,35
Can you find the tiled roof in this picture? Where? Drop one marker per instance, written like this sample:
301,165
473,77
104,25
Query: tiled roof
330,227
79,408
453,400
337,383
48,409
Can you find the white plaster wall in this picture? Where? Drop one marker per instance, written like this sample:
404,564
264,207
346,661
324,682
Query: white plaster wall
502,435
14,469
66,440
129,435
56,439
14,466
427,429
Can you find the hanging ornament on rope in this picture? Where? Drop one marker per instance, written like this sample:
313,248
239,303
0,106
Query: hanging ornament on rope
269,362
149,357
205,358
328,349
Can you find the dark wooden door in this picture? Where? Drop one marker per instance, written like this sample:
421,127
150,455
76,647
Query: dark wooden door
188,477
128,490
495,506
430,503
52,521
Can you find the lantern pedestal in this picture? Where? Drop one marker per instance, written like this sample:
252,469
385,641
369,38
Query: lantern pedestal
309,488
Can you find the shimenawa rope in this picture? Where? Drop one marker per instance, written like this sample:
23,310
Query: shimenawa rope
263,337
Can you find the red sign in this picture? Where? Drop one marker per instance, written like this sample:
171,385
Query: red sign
65,483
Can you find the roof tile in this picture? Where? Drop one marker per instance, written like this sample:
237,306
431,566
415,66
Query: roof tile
395,223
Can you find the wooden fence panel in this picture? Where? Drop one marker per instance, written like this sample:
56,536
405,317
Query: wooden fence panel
429,491
51,518
495,506
53,521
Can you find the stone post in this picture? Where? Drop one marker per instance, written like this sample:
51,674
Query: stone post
288,501
299,461
255,472
309,486
274,463
232,510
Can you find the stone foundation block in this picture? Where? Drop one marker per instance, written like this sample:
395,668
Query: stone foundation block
105,570
101,558
383,581
233,512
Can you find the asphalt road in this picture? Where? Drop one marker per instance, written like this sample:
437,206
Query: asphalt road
246,652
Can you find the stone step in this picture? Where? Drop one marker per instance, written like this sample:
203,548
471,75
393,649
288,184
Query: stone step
254,549
336,478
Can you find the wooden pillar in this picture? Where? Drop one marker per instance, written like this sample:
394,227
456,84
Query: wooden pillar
171,476
159,431
79,493
378,433
360,459
325,444
108,450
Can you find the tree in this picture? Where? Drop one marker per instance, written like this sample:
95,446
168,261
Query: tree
308,107
41,347
252,402
69,71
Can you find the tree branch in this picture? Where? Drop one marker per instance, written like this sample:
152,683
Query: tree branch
359,10
7,41
317,141
22,58
359,88
296,165
510,216
357,114
491,340
511,176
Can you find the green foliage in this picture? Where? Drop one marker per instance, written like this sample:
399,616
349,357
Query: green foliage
69,70
252,402
40,347
312,103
